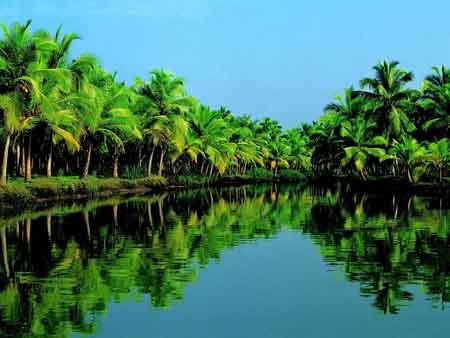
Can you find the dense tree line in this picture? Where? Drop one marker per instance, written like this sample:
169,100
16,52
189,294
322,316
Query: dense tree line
386,128
57,115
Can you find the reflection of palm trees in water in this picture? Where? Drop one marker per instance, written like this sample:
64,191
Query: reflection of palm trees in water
4,250
378,241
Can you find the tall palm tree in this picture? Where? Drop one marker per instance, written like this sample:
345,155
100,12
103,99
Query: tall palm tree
163,103
103,116
388,100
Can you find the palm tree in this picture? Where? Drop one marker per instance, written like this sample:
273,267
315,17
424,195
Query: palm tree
436,101
214,133
18,51
14,122
299,145
325,135
279,153
440,155
104,116
349,106
440,77
388,102
410,154
162,104
360,143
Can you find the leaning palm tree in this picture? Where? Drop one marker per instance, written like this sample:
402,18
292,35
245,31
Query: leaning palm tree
389,101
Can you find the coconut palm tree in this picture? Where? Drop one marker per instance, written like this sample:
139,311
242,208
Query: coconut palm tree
214,133
440,76
162,104
411,155
325,135
388,101
104,116
349,106
360,144
436,102
14,122
440,155
300,156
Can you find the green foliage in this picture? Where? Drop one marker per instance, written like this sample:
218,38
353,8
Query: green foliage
75,117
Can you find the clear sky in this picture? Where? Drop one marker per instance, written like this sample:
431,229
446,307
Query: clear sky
285,59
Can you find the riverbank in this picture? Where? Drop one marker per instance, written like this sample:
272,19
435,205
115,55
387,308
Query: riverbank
18,195
42,192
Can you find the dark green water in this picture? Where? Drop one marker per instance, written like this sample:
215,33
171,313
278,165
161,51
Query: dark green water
259,262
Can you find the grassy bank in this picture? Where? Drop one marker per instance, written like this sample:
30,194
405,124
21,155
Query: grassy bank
20,195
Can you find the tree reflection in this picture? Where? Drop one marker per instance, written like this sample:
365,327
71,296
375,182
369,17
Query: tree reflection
63,267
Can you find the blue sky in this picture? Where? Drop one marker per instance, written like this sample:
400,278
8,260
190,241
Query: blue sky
285,59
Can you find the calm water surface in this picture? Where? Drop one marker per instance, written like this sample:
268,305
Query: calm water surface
261,262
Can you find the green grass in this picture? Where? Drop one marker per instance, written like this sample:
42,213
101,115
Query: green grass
18,191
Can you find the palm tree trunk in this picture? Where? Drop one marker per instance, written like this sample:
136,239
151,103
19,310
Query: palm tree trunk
115,210
150,163
23,161
410,179
17,159
50,160
88,162
49,226
440,174
5,158
28,160
28,230
116,166
149,213
201,168
161,163
87,224
140,157
161,213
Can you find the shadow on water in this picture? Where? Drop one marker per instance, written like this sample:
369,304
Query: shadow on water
61,268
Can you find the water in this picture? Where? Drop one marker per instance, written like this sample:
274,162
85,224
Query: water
263,261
